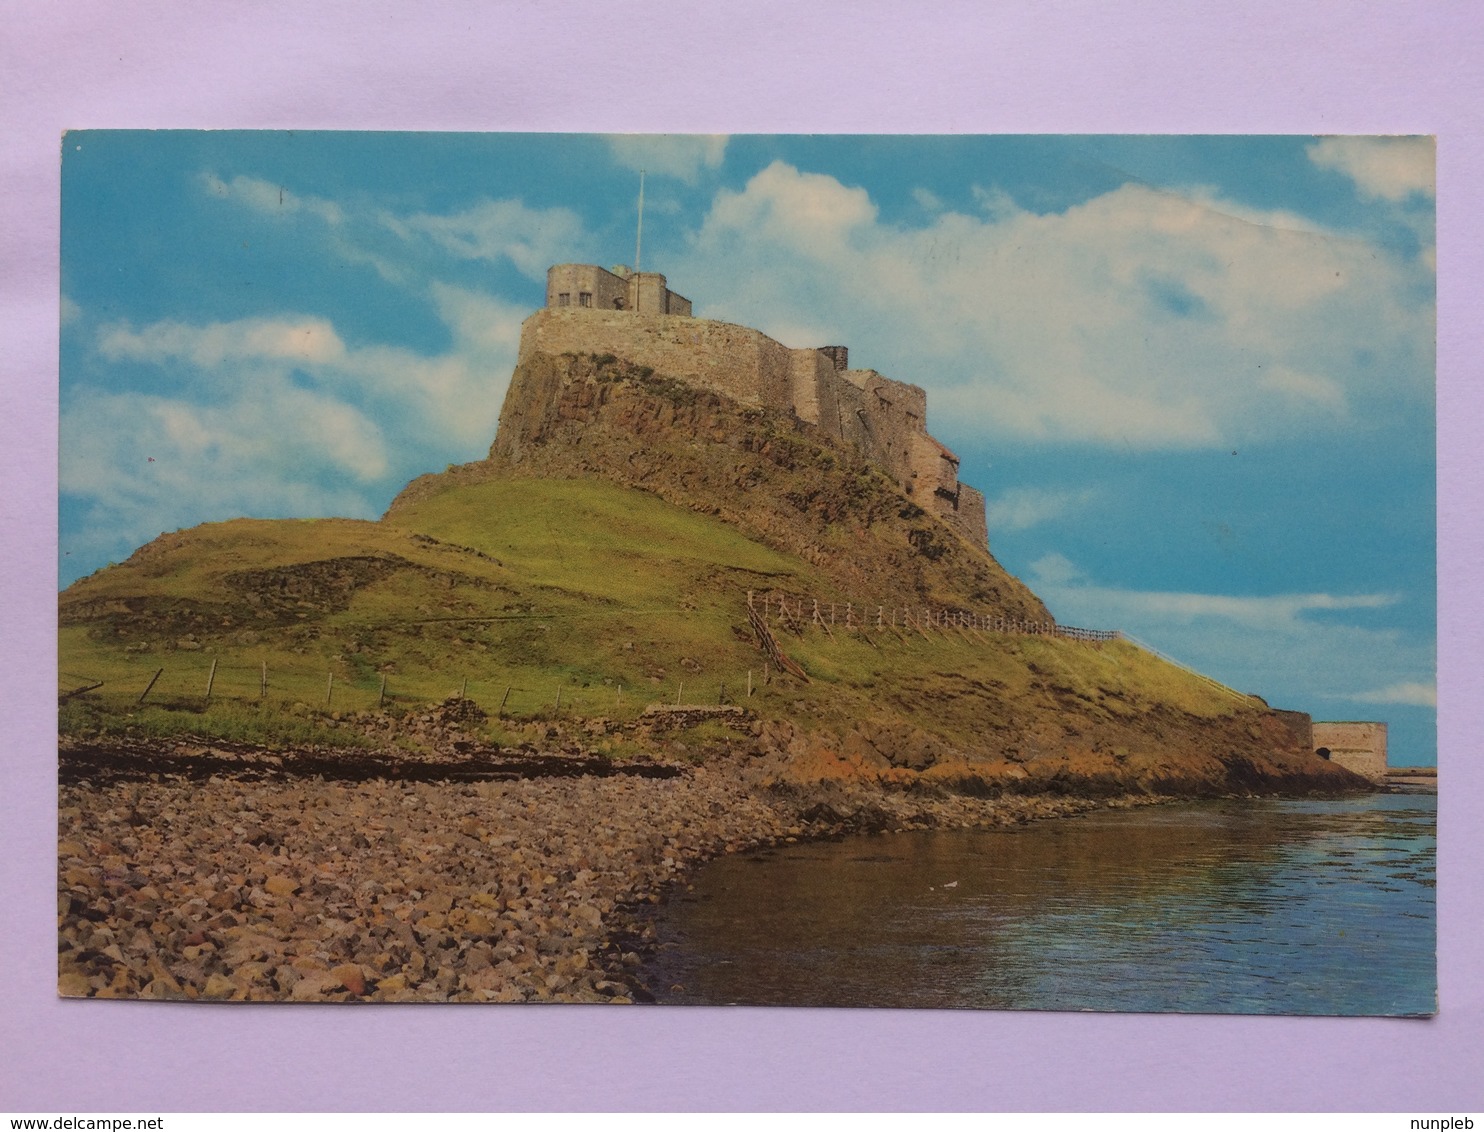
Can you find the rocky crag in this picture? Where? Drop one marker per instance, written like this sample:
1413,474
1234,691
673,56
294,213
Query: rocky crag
763,471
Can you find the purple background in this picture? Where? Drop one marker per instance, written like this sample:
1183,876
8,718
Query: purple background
1168,66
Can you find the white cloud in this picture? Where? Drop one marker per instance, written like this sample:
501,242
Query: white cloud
1414,693
447,402
1388,168
1321,391
1270,644
928,199
267,427
1138,318
70,311
995,203
277,417
781,205
145,464
1019,508
1055,571
454,396
492,230
271,199
682,156
1278,612
531,239
305,341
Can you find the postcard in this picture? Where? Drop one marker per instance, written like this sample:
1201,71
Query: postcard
960,572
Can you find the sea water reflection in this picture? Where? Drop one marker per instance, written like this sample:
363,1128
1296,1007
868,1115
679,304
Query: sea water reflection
1265,907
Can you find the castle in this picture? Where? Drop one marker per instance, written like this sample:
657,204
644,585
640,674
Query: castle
635,316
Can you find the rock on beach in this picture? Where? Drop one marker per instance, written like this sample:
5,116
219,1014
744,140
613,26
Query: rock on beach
328,891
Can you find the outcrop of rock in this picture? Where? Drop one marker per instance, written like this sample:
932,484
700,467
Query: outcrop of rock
775,477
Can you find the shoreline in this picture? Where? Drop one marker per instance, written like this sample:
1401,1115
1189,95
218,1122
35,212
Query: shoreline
248,887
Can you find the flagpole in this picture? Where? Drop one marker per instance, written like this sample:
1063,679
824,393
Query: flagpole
639,239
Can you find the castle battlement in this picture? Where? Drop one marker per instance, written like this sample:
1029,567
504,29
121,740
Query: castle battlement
637,317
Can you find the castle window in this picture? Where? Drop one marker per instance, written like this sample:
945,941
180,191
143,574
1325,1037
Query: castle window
584,298
564,299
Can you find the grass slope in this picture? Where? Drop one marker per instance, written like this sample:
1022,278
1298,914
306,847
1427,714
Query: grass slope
607,593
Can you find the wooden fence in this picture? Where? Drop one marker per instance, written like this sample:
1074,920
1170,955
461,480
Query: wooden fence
796,614
195,683
199,681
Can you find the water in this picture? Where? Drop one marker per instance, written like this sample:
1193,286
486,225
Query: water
1251,907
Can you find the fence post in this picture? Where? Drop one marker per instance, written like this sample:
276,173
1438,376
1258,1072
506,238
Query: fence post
501,709
559,698
463,688
381,695
679,687
150,685
721,696
211,679
749,683
329,688
264,693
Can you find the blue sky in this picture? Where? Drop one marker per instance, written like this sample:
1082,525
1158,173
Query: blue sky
1192,375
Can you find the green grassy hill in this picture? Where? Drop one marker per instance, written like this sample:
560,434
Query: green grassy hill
615,599
532,583
598,562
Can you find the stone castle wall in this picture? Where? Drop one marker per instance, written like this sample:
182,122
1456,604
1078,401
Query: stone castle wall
971,516
733,361
1354,745
887,419
815,396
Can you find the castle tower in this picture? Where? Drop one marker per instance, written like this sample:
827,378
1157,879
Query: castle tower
583,285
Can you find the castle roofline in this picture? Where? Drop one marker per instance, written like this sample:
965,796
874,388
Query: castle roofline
588,286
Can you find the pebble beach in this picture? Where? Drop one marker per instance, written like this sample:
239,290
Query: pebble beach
241,887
